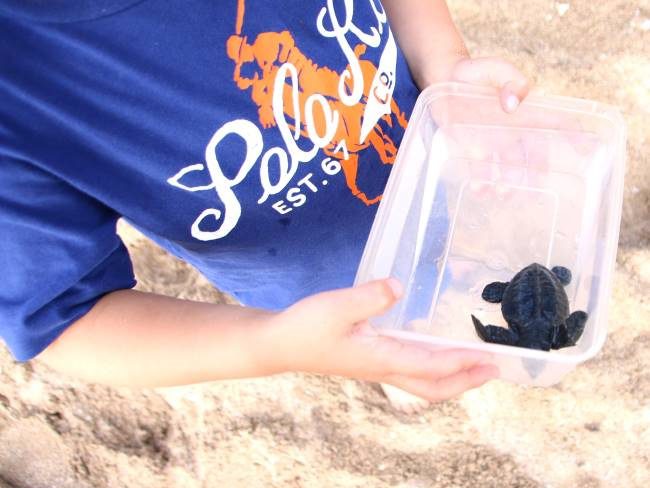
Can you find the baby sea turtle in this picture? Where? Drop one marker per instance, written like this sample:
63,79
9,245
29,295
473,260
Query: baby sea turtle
536,308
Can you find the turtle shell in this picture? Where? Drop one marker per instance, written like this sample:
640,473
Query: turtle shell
534,293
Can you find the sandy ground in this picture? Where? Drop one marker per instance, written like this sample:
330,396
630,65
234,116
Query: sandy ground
593,430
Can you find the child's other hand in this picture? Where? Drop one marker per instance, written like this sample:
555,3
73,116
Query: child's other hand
328,333
512,84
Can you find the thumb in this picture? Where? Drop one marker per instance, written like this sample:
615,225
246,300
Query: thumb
349,306
512,84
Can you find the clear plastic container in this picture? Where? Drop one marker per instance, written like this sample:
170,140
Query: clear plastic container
477,194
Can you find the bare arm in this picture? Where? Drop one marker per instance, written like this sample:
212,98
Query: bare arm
142,339
428,36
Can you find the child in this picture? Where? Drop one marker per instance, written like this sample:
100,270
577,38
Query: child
253,140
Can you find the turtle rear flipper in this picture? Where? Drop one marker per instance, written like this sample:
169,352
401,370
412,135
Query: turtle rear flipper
569,332
562,274
494,334
493,292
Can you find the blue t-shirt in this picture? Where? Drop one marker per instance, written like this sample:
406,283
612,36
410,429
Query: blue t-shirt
252,139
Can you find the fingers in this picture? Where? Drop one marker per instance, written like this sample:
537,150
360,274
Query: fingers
352,305
447,387
418,361
512,84
512,93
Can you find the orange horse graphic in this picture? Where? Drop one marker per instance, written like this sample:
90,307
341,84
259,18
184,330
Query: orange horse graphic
268,52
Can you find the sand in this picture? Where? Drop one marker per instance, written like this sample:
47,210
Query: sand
592,430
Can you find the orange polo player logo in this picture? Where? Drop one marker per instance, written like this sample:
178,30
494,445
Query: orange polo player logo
268,52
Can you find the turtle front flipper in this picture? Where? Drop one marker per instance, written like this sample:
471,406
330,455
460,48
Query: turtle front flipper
494,334
562,274
493,292
569,332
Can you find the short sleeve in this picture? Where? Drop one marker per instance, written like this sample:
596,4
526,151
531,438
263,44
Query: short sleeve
59,254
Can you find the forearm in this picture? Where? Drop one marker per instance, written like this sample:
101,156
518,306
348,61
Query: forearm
428,37
141,339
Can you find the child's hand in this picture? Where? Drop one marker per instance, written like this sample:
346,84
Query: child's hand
512,84
328,333
435,51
